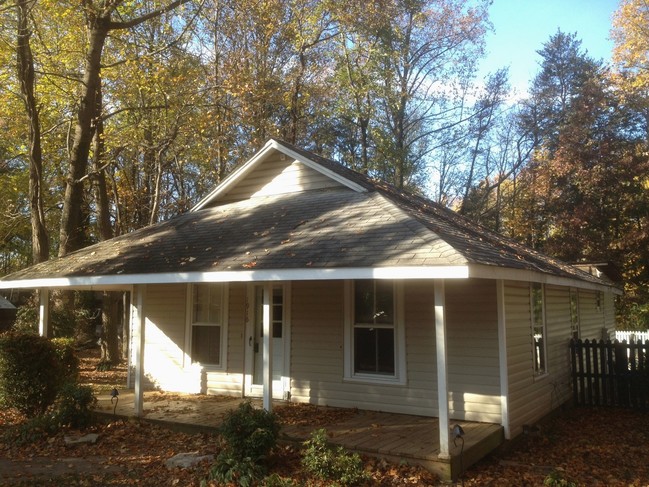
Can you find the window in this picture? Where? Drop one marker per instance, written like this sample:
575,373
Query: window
207,323
538,328
574,314
375,334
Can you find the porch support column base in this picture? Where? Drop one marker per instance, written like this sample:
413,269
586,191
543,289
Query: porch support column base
444,456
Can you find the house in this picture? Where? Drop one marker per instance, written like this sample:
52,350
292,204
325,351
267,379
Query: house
300,279
7,314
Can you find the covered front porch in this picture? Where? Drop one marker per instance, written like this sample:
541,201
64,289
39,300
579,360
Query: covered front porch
395,437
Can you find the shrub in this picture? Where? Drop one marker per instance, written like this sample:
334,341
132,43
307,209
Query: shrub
334,464
31,373
249,432
64,348
248,435
74,406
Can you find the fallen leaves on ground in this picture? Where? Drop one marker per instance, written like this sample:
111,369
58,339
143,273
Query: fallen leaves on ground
598,446
584,446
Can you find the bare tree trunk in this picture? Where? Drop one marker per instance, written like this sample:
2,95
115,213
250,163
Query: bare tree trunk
110,353
25,65
71,235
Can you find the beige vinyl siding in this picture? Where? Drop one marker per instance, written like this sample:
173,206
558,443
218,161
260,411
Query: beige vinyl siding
164,334
532,397
529,397
592,318
317,352
165,366
473,367
279,175
317,358
230,382
557,317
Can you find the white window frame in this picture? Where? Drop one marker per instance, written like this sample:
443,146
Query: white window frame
575,314
544,332
399,376
189,328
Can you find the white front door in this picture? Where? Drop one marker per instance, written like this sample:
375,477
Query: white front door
255,349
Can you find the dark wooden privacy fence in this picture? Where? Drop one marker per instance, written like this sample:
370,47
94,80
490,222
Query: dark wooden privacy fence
606,373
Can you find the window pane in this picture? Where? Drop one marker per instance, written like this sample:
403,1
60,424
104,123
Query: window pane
206,344
364,301
365,350
538,329
384,311
215,304
374,350
207,303
385,351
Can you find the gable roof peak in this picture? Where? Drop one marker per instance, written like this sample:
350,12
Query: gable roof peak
333,170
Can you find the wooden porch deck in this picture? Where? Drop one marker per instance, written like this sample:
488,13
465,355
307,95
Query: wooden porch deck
396,437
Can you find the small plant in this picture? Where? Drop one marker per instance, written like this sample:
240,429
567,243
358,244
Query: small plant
248,436
334,464
229,468
276,480
555,479
32,430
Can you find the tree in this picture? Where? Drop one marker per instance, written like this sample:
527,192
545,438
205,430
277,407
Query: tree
26,78
99,23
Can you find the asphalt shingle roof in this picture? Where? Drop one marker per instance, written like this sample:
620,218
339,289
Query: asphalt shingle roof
339,228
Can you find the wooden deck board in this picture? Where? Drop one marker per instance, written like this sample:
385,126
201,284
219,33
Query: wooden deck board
394,436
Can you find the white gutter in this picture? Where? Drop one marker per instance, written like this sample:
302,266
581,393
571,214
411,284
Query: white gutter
430,272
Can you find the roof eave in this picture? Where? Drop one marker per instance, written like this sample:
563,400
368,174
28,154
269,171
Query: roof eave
126,280
507,273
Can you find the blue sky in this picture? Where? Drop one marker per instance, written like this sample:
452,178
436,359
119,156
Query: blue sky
522,26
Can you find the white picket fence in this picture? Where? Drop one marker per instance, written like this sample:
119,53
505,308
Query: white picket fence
631,335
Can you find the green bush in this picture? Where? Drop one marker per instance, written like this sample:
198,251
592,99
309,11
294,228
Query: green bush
333,464
248,435
74,406
31,373
249,432
64,348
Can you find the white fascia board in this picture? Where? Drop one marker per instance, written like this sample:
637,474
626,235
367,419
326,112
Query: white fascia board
321,169
236,176
493,272
123,281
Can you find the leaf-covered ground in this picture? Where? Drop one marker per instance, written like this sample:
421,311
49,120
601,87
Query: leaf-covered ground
587,447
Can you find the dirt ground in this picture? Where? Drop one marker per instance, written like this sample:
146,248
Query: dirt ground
582,447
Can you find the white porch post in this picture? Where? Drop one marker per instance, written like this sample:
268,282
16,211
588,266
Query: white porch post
44,313
137,327
268,347
442,373
502,356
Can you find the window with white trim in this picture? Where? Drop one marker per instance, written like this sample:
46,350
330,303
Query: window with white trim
539,333
574,314
207,323
375,337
